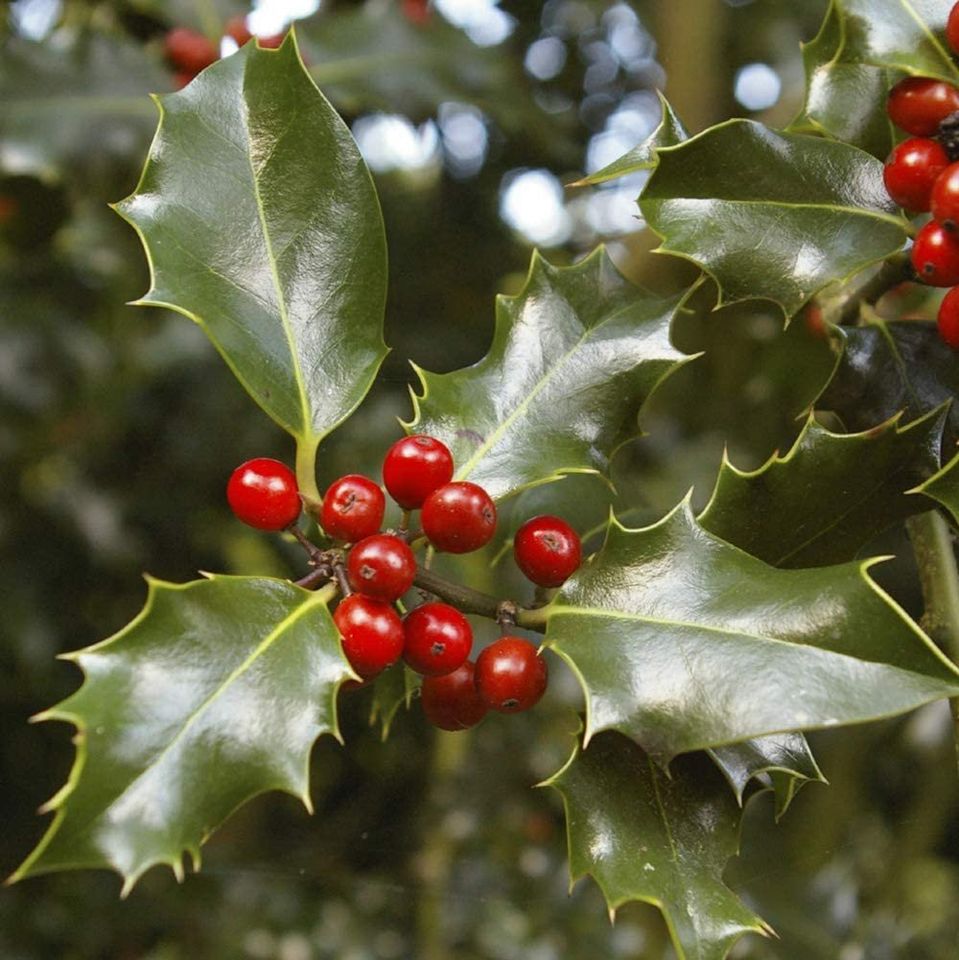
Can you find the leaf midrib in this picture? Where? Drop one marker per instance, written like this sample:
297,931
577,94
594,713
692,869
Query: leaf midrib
307,419
789,205
285,624
524,405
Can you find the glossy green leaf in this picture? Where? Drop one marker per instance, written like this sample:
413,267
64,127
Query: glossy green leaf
943,486
829,495
781,762
771,215
891,367
662,839
845,99
685,642
261,223
574,357
643,156
215,693
904,35
392,689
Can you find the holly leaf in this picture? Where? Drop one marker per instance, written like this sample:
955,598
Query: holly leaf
574,357
684,642
782,763
890,367
392,689
829,496
904,35
771,215
943,486
845,100
643,156
261,223
213,694
662,839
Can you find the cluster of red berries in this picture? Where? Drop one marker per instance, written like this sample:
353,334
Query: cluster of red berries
922,175
435,639
189,52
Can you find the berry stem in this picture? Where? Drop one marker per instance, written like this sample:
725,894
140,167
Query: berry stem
306,475
315,578
939,576
315,554
474,601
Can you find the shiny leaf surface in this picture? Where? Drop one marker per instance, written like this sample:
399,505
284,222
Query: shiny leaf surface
771,215
663,839
643,156
684,642
904,35
215,693
782,762
829,495
261,223
574,357
845,99
891,367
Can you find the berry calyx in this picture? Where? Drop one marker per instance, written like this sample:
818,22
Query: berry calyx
451,702
919,104
911,171
263,493
952,28
510,675
414,467
935,255
372,634
189,51
459,517
438,639
548,550
352,508
381,566
948,318
944,200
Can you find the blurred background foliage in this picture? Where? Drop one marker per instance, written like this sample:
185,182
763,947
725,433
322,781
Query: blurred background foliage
120,426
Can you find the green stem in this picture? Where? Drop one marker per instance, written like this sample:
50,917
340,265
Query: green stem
306,475
939,576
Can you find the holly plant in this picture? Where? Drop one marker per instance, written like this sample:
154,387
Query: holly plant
706,642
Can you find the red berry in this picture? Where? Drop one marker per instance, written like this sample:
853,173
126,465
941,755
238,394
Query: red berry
948,319
919,104
181,78
944,201
438,639
381,566
510,675
451,702
911,171
414,467
372,633
935,255
263,494
237,29
952,28
352,508
416,11
459,517
189,51
547,550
